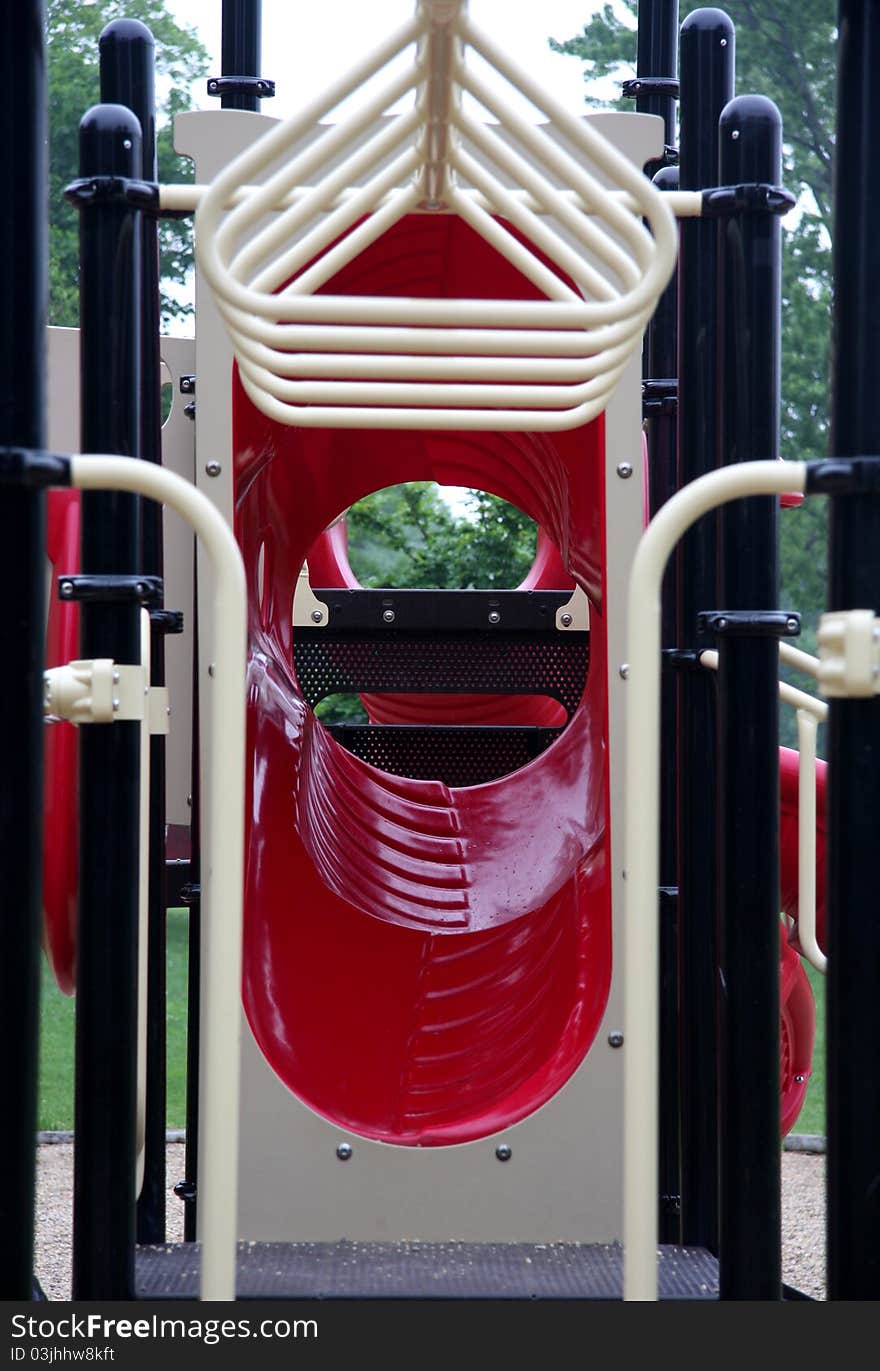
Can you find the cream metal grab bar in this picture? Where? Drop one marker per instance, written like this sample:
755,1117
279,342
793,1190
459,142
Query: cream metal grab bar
224,855
266,251
641,989
809,712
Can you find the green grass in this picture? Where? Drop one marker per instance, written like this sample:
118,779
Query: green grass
812,1117
57,1029
57,1015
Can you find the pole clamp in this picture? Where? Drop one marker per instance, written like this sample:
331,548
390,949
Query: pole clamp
759,197
33,468
659,396
260,86
113,190
849,654
101,691
749,623
843,476
141,590
649,85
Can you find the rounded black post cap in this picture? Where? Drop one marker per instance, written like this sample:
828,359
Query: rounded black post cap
126,31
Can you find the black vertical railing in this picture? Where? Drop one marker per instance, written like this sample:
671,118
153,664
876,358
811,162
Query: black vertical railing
748,627
106,1020
240,49
706,75
127,64
853,1005
23,291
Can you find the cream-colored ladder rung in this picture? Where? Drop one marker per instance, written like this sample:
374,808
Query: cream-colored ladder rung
266,241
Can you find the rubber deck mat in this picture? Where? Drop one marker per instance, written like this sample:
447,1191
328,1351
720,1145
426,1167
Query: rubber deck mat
425,1270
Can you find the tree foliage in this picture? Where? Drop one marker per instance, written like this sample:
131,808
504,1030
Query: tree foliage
73,29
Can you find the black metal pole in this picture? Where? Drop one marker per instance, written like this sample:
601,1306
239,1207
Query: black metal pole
706,64
657,56
106,1028
750,273
127,63
853,1004
240,49
23,290
189,1192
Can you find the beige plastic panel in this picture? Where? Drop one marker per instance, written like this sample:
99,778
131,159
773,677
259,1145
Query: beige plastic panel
177,453
564,1179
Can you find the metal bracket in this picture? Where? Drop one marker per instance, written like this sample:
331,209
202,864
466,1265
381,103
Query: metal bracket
260,86
749,623
659,396
101,691
843,476
113,190
464,611
849,654
33,468
142,590
167,621
308,610
649,85
753,198
681,658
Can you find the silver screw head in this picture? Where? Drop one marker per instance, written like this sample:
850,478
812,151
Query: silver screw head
344,1151
615,1039
792,625
389,616
624,470
65,590
503,1152
317,615
565,620
494,616
721,625
623,671
213,468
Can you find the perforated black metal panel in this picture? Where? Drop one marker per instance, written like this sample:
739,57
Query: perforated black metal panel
426,1270
490,662
456,756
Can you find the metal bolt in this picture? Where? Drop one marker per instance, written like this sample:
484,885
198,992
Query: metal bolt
623,671
65,590
213,468
735,134
494,616
503,1152
115,677
343,1152
115,706
721,625
792,625
389,616
724,42
211,669
615,1040
565,620
126,143
800,1079
140,588
212,85
317,615
624,470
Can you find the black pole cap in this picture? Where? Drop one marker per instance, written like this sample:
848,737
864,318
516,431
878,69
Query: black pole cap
109,140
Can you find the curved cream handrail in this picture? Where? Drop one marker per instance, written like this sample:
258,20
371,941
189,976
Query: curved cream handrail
266,241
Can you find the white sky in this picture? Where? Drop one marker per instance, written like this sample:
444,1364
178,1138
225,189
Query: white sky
308,42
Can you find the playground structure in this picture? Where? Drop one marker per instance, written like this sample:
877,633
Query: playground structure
451,981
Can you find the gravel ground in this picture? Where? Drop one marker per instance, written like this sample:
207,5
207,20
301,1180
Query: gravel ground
803,1217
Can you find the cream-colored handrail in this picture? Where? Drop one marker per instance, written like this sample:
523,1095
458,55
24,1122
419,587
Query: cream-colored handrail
641,984
223,855
266,245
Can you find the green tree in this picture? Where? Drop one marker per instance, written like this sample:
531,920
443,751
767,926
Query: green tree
784,48
73,29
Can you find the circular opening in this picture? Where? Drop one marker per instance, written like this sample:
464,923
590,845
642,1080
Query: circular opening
167,392
460,707
424,535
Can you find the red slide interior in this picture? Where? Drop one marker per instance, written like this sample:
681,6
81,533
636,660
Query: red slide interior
423,964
